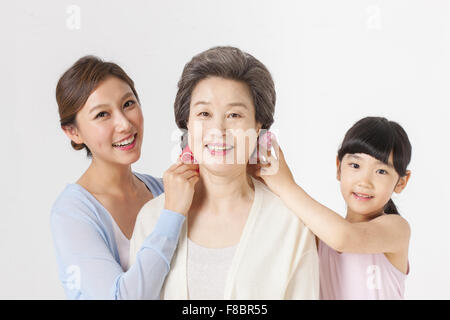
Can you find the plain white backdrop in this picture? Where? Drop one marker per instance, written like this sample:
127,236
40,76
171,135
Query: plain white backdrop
333,62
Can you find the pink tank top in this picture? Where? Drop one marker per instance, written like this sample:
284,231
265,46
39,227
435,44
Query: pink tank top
351,276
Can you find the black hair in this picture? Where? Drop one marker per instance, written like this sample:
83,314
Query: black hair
378,137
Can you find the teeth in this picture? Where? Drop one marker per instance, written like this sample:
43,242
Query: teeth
124,143
362,196
218,148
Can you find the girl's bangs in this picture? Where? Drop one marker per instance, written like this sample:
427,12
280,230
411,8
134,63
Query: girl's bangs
377,145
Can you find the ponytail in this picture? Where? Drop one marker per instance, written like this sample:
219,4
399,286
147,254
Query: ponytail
390,208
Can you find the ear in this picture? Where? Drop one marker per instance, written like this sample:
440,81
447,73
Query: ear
188,136
258,128
338,169
73,133
402,182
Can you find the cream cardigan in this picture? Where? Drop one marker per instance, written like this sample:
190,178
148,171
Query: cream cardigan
276,257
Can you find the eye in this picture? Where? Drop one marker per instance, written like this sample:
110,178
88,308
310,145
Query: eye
234,115
101,114
129,103
381,171
354,165
203,114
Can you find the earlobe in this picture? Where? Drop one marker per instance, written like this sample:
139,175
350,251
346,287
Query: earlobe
400,186
258,128
403,181
72,132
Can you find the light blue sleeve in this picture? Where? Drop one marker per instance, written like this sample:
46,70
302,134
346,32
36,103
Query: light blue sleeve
86,264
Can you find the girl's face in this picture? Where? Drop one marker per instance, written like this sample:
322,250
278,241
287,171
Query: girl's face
367,183
110,123
222,126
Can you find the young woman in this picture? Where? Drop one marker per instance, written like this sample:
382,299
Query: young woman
92,220
365,255
240,241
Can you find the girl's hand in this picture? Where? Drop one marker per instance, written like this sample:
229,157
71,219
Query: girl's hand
179,182
273,171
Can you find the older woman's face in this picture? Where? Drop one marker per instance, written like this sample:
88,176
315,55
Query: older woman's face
222,126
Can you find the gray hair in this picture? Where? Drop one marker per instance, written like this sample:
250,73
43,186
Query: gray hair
229,63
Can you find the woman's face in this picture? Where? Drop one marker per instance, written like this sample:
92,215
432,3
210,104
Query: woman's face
222,126
111,123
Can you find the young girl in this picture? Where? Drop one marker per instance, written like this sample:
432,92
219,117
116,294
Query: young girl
365,255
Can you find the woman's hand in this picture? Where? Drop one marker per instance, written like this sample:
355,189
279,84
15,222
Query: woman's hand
179,182
273,171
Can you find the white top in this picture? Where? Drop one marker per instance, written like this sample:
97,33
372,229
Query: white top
276,257
123,246
207,270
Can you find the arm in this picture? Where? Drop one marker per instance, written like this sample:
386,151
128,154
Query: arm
387,233
147,275
88,269
87,266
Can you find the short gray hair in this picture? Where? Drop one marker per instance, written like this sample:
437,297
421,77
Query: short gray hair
229,63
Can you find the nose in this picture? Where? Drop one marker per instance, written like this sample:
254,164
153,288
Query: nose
365,180
219,124
122,123
216,127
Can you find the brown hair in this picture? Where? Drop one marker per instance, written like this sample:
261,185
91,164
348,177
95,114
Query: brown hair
78,82
229,63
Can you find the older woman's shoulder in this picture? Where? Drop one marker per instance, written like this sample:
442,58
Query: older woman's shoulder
273,207
152,208
275,218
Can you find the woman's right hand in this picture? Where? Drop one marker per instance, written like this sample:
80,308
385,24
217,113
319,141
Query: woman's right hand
179,182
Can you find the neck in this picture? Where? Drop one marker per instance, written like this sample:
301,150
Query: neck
218,192
113,177
354,217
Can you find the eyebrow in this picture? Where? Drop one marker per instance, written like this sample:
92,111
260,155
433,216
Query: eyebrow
386,164
354,156
103,105
232,104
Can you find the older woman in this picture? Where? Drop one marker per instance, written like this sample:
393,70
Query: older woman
240,241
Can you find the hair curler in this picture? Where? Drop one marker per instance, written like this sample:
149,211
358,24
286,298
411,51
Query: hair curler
265,141
187,156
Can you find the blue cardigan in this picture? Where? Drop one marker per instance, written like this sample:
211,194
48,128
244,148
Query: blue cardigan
87,255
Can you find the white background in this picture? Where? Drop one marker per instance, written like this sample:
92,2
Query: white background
333,63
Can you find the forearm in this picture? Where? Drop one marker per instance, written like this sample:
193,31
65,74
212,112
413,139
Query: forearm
326,224
88,269
152,264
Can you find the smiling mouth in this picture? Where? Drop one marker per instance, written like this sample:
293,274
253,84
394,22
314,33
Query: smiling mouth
219,148
126,142
362,196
